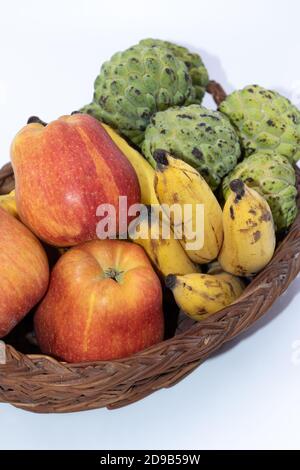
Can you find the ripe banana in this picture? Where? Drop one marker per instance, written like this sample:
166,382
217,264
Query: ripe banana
178,183
200,295
249,236
235,282
8,203
166,254
143,169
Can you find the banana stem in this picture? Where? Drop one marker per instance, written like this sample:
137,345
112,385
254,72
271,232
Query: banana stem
160,156
238,187
170,281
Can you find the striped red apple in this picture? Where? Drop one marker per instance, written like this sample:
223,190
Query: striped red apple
104,302
64,170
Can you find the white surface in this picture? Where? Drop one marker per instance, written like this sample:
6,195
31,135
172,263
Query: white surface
247,397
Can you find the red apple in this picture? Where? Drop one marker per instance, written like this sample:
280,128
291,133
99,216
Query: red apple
64,170
24,272
104,302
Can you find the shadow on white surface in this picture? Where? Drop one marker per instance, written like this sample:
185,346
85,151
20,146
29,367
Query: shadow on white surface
215,69
278,308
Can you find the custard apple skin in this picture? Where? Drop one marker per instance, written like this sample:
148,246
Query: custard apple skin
135,84
193,61
201,137
265,120
272,176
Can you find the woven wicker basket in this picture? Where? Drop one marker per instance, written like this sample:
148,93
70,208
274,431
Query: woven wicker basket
40,383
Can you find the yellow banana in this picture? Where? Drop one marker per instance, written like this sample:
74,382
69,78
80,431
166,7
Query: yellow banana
249,236
143,169
178,183
235,282
200,295
8,203
166,254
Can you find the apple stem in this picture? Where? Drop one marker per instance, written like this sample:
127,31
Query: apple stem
112,273
36,119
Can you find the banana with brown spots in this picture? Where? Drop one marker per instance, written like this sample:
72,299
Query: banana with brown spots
165,252
177,183
200,295
249,235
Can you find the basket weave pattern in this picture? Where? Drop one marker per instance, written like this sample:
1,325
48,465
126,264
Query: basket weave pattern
42,384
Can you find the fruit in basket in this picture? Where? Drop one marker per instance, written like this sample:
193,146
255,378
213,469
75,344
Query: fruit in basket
104,302
265,120
235,282
143,169
135,84
203,138
200,295
8,203
63,172
249,235
24,272
154,234
272,176
193,61
179,185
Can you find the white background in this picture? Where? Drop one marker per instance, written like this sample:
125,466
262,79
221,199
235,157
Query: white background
50,53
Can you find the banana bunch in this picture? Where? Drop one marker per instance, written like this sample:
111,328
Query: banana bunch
200,295
242,237
179,184
249,235
157,238
8,203
167,255
143,169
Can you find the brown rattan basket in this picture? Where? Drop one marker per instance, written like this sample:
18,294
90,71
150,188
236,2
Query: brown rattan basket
40,383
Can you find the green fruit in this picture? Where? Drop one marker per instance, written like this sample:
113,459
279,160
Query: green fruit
203,138
265,120
272,176
193,61
135,84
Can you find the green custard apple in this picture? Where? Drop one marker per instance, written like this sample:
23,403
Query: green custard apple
272,176
193,61
134,84
265,120
203,138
